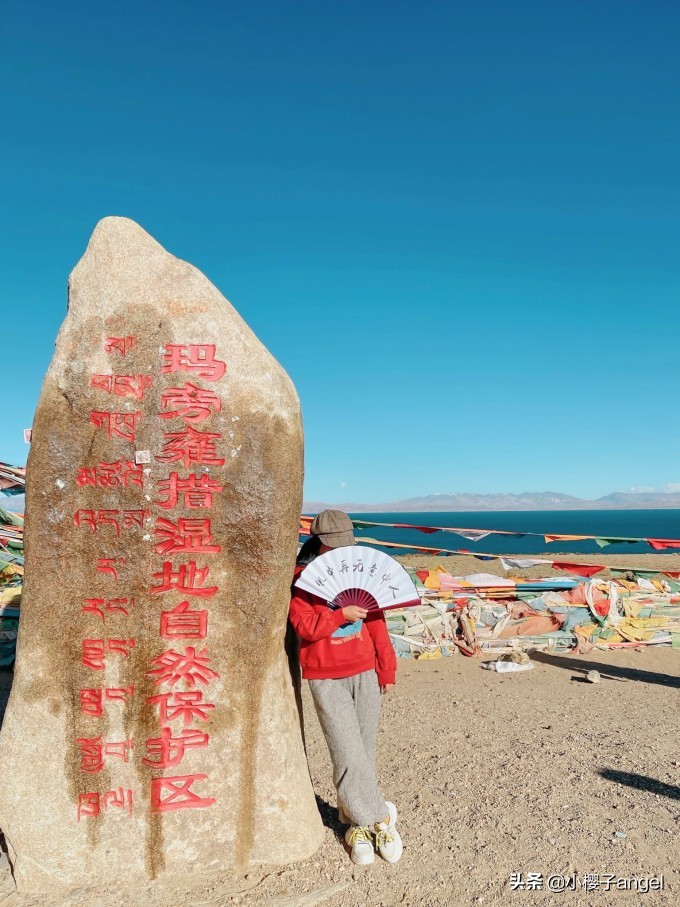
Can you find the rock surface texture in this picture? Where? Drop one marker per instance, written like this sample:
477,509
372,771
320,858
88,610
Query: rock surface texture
152,728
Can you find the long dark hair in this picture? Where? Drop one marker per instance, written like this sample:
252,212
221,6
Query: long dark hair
309,551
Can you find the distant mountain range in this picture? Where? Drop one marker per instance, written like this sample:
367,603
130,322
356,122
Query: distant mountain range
527,500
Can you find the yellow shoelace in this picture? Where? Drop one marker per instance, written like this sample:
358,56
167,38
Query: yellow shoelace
384,836
360,835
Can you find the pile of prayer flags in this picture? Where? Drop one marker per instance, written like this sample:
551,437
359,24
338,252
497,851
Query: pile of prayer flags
483,614
11,581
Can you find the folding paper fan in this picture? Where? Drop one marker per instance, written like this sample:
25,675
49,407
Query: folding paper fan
357,575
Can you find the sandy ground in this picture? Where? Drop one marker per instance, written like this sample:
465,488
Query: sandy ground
492,775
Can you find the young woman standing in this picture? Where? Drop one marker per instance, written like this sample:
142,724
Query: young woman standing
348,659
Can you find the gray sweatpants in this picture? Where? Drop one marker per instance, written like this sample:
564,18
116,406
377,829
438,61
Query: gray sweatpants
348,710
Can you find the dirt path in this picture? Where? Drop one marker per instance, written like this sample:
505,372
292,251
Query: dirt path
492,775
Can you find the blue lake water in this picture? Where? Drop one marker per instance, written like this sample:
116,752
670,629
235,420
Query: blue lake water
628,523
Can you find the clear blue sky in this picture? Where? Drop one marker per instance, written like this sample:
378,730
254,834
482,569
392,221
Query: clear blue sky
457,225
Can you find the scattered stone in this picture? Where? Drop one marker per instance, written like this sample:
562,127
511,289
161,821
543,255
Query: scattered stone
593,677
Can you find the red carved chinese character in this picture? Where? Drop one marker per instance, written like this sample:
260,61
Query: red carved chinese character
170,750
190,447
174,667
196,358
178,794
118,799
88,805
197,491
187,579
121,345
190,535
187,706
117,425
191,403
123,385
181,623
106,565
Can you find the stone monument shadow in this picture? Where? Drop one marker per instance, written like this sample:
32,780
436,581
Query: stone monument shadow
329,817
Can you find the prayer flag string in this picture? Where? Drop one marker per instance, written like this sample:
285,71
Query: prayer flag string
476,535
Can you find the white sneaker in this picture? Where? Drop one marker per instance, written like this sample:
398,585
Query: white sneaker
387,838
361,842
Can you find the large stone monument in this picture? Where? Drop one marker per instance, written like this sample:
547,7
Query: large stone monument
152,727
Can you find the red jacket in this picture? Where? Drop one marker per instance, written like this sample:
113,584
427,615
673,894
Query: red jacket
332,648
